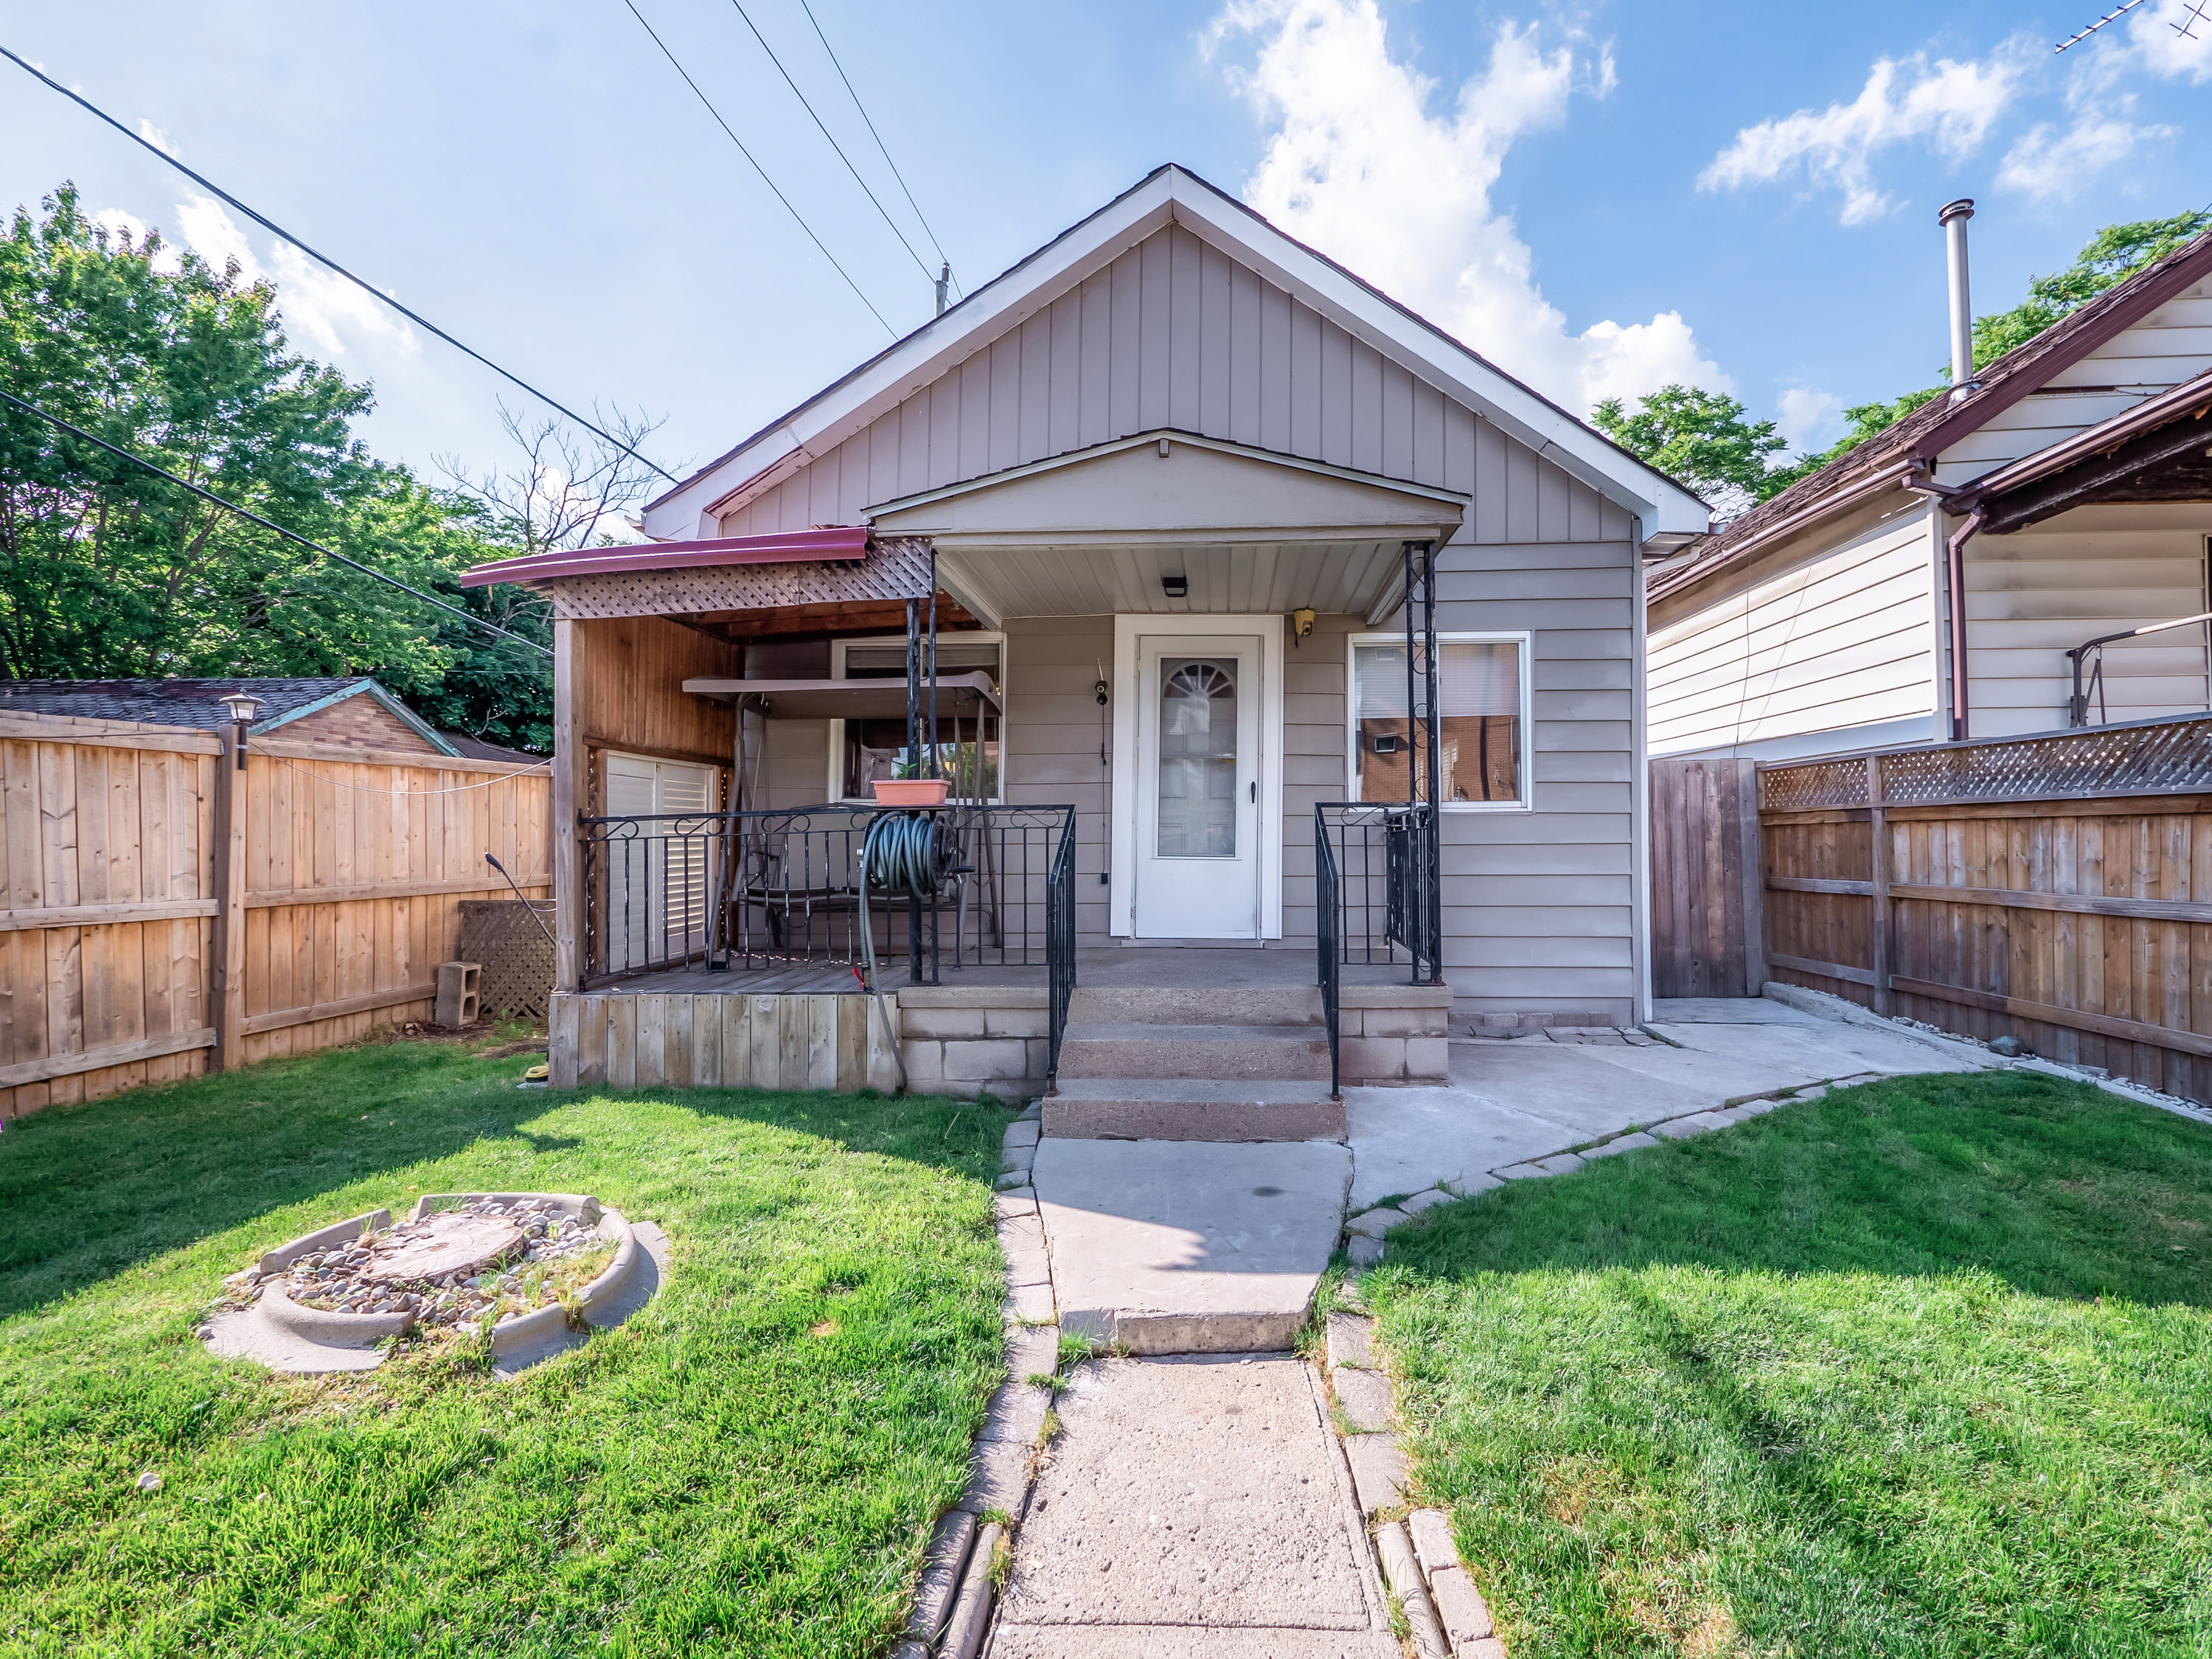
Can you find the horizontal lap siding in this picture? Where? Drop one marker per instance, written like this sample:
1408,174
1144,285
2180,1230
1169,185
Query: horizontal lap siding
1175,333
1848,638
1540,906
1053,736
2095,570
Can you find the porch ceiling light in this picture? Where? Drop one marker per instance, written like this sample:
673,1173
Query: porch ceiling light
1174,587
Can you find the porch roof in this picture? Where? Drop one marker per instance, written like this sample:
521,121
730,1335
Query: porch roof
833,542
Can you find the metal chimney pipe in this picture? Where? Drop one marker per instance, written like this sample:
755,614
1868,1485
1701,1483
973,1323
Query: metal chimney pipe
1954,218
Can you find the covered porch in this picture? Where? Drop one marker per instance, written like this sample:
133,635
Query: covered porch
1144,737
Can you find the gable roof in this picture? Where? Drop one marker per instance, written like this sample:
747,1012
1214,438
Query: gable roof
1171,194
1906,450
196,704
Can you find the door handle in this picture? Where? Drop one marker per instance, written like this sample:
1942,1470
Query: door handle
1255,796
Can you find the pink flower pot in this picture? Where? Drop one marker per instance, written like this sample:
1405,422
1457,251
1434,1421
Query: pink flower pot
910,792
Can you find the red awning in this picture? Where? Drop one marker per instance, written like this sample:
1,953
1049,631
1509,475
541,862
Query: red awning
794,547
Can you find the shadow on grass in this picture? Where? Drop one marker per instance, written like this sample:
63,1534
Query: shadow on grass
88,1191
2056,1188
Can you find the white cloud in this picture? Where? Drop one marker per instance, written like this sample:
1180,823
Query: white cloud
2051,166
1359,167
1951,105
2173,38
1810,419
337,318
155,136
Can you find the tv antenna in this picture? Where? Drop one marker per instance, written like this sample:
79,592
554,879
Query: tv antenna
2186,28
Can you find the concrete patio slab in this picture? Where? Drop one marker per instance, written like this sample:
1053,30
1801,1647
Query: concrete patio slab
1559,1083
1406,1141
1186,1501
1190,1247
1727,1011
1822,1049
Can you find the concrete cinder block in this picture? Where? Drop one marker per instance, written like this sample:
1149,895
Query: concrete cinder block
1428,1059
943,1022
456,1002
1371,1060
985,1059
1460,1607
1017,1021
1433,1541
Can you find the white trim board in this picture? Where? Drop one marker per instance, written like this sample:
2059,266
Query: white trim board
1122,802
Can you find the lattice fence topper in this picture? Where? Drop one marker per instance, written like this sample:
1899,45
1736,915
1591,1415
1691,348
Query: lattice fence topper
1813,785
2142,757
895,567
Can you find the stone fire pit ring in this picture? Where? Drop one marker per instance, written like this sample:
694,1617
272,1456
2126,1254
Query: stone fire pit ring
480,1233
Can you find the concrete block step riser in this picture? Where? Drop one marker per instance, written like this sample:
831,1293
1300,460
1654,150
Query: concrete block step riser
1198,1006
1285,1060
1209,1120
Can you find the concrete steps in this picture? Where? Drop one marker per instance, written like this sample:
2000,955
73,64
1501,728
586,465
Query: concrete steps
1178,1109
1195,1063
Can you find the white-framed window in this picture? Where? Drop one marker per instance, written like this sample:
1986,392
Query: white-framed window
1483,730
861,751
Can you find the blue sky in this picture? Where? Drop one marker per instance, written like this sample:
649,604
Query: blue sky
1601,198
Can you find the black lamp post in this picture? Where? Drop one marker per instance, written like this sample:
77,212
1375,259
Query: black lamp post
243,706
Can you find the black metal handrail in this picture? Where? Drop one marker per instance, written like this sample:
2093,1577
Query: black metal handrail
1382,863
1060,942
1330,969
759,891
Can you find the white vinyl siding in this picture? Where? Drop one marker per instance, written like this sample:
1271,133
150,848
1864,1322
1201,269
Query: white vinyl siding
1176,334
2032,595
1845,639
2170,345
658,890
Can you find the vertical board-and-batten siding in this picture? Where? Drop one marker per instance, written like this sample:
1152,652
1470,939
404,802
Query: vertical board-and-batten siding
1175,333
1846,638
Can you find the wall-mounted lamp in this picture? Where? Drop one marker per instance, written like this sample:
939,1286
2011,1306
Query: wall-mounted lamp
1175,586
243,706
1302,625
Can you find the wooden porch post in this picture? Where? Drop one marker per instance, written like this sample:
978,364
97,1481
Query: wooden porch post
571,788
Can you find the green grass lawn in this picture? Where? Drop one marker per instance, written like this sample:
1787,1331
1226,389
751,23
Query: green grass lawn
749,1465
1921,1368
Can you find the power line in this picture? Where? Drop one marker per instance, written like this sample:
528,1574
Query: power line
873,134
831,136
270,225
758,168
255,518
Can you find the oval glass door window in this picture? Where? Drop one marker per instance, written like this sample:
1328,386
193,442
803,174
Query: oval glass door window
1197,806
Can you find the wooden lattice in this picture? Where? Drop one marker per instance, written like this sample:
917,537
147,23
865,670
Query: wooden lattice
895,567
1813,785
517,957
2142,757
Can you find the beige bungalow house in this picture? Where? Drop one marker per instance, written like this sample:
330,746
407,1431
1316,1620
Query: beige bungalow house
1943,580
1157,498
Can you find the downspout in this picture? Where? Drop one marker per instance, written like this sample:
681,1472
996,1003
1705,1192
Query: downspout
1954,547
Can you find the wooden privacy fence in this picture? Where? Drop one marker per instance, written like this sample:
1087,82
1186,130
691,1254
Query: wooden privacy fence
2057,889
1706,893
162,912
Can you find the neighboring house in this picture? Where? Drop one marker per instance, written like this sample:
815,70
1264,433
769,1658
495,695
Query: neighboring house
355,711
2066,493
1170,463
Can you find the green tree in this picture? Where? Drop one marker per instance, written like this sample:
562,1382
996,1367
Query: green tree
2111,257
1699,437
107,570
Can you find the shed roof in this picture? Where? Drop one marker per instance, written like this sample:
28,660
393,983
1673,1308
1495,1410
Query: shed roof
196,704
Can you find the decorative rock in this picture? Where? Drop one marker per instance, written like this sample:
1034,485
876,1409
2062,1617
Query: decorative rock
2007,1046
149,1481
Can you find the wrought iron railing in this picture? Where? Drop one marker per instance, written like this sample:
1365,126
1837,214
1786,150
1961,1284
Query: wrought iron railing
1059,954
1382,859
770,890
1329,967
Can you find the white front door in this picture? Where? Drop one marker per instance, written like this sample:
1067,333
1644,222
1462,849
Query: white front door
1199,786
